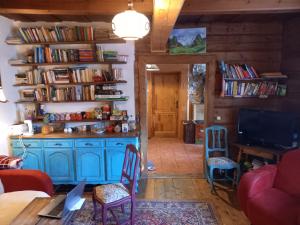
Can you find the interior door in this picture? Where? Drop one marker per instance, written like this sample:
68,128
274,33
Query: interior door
165,104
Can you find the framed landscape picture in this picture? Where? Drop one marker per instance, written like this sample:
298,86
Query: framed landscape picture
187,41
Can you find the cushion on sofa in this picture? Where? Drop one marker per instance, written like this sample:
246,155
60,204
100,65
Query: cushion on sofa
287,178
12,203
273,207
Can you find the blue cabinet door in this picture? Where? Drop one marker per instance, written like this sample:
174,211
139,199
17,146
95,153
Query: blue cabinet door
59,164
33,158
114,163
90,164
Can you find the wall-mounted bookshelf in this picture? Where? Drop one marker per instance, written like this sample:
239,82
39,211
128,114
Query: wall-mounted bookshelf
77,101
243,81
73,84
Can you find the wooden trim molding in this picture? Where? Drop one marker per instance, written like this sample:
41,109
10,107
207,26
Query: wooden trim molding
141,91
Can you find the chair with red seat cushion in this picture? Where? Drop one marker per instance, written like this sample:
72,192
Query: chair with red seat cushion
271,195
117,195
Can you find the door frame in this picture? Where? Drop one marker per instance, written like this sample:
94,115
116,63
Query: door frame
141,91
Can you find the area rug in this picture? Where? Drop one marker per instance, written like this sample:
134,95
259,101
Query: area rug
157,213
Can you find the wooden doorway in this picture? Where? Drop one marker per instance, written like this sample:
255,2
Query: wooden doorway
163,115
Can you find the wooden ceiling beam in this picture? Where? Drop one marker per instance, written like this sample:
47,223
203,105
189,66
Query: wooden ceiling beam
199,7
73,7
164,17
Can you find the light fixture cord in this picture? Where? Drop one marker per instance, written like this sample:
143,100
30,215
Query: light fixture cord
130,4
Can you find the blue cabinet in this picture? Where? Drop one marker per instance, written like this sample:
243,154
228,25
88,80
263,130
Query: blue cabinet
70,160
115,153
33,158
59,165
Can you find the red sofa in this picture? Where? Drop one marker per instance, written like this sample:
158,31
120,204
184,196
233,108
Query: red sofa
20,180
271,195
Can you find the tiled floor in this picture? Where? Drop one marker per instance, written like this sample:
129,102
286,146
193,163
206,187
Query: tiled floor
172,157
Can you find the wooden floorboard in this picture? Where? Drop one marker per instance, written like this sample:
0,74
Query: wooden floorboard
173,158
195,189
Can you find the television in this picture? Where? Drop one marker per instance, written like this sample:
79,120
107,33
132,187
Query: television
278,130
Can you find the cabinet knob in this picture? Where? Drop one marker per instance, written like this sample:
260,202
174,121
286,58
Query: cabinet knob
27,145
120,144
88,144
58,144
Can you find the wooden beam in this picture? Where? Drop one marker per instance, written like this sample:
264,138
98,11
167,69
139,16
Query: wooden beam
73,7
164,18
196,7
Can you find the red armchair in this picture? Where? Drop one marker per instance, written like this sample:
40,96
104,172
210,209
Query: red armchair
19,180
271,195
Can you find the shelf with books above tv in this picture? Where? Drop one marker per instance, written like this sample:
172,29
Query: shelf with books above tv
243,81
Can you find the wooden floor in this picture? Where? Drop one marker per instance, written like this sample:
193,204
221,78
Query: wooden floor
172,157
224,203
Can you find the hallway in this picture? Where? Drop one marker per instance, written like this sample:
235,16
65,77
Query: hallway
171,157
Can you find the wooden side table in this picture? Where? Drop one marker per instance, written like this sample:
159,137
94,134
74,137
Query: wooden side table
258,151
29,216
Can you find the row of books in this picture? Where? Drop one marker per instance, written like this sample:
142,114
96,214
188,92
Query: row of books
63,76
56,34
235,71
248,89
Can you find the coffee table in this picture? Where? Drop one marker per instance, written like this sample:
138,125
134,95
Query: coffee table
29,216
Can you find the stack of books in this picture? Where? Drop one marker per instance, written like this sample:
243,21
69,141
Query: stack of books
56,34
29,77
110,55
234,71
63,94
14,40
86,55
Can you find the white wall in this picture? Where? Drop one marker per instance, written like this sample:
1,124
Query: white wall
8,113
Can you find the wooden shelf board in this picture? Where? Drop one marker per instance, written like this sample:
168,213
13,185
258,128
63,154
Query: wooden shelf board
79,83
79,121
70,63
255,79
102,100
103,41
258,97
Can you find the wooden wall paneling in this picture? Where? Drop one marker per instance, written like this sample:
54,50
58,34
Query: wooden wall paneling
290,64
149,104
165,14
194,7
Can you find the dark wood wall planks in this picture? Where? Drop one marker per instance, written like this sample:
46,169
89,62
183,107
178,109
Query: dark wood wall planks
257,44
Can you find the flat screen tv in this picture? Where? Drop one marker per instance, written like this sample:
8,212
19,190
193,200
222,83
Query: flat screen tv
279,130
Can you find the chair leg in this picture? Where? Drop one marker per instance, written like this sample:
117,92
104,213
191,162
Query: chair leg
104,215
132,214
211,180
95,207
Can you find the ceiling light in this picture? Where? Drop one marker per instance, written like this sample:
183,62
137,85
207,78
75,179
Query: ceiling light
152,67
130,24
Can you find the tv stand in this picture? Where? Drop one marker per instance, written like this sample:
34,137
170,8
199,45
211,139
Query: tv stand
266,153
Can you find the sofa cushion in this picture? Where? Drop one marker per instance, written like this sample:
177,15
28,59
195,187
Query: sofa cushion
287,178
12,203
273,207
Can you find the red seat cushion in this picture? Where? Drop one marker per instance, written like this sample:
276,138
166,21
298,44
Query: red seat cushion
288,178
273,207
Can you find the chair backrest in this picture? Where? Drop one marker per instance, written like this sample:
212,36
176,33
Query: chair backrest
131,168
216,140
287,177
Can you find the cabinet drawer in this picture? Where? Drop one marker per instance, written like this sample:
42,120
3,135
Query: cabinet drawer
58,143
27,143
89,143
120,142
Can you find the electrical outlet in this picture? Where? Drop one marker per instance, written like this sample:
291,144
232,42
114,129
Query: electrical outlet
219,118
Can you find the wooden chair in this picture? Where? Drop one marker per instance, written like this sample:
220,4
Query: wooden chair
216,141
117,195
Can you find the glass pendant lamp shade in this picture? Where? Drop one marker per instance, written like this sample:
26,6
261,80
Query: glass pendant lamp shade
130,25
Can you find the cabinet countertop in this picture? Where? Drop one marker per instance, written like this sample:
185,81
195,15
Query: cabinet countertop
80,135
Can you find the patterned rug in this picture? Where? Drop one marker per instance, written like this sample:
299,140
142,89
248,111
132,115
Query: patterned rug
156,213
